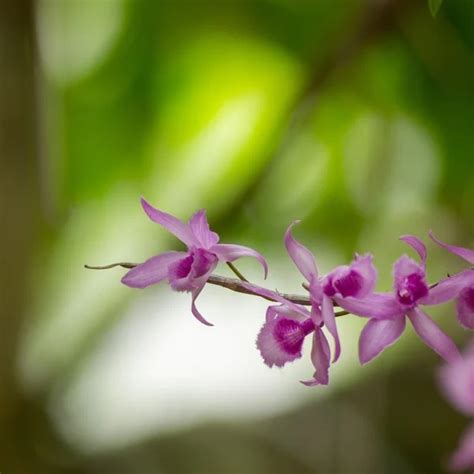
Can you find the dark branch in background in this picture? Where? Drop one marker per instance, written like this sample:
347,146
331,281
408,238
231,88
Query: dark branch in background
379,18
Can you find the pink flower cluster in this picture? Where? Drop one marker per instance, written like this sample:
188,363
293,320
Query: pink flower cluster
350,287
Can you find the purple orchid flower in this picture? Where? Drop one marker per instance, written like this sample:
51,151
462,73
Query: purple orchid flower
190,270
353,281
460,286
457,383
281,338
388,311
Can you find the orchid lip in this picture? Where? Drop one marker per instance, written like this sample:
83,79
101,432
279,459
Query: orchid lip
411,289
308,326
349,285
468,295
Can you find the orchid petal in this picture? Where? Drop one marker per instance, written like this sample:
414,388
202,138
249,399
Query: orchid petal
231,252
375,305
178,228
355,280
316,297
329,318
192,272
201,231
152,271
275,350
363,266
195,311
417,245
465,308
457,382
275,311
462,252
377,335
409,281
274,296
432,335
320,356
300,255
463,458
405,266
448,288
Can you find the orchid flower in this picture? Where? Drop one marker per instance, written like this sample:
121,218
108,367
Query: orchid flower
281,338
354,281
388,311
187,271
457,383
461,286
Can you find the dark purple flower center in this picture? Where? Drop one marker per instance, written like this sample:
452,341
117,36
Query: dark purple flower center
411,289
183,267
329,289
468,297
185,273
290,334
350,284
198,262
203,261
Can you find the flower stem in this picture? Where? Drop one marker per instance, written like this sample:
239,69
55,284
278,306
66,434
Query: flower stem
232,284
236,271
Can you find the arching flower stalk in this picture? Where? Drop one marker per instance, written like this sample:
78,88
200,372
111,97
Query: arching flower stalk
294,317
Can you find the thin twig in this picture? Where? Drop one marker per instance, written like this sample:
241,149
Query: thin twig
236,271
234,284
112,265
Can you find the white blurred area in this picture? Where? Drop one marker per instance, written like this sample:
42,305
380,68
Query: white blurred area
159,370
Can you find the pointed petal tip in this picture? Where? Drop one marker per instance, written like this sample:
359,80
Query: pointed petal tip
416,244
194,309
231,252
201,318
145,204
430,333
301,256
462,252
126,281
314,383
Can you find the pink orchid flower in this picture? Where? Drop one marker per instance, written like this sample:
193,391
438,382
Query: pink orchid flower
353,281
190,270
461,285
457,383
388,311
281,338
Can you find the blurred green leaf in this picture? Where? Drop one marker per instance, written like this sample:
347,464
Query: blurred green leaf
434,6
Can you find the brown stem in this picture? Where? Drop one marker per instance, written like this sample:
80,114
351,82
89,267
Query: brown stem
232,284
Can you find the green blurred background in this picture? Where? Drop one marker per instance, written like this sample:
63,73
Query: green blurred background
355,116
